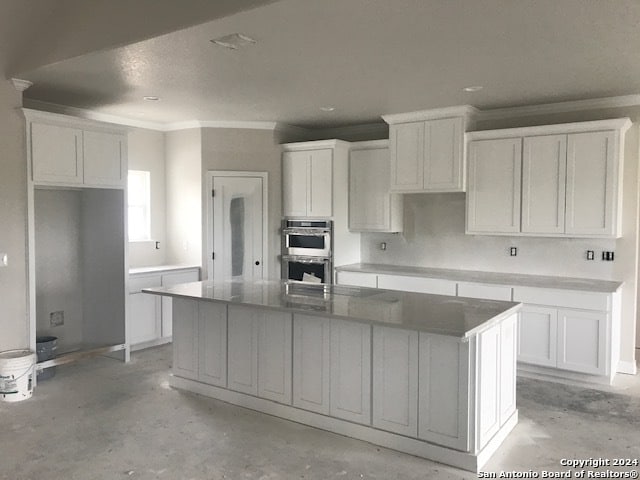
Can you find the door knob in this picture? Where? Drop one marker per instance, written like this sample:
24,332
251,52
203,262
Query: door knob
257,262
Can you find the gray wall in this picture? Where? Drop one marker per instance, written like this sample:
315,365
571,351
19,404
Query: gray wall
146,152
14,328
247,150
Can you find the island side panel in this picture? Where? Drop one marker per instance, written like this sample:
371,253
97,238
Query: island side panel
185,338
212,338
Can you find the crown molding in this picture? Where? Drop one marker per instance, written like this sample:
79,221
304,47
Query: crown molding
21,85
559,107
370,144
431,114
315,144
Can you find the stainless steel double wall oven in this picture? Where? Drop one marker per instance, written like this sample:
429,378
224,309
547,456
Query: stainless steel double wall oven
307,251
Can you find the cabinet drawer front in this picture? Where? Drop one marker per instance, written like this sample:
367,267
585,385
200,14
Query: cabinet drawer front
171,279
358,279
488,292
562,298
136,284
417,284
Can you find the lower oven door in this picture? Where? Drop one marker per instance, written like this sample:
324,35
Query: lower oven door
306,269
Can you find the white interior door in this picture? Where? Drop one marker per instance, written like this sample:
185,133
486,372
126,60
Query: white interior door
238,227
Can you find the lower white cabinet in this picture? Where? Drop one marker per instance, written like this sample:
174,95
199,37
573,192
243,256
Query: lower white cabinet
582,341
145,311
185,338
212,343
311,362
417,284
357,279
350,393
538,333
259,353
395,380
169,279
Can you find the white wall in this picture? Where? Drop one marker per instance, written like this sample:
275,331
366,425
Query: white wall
146,152
183,154
14,326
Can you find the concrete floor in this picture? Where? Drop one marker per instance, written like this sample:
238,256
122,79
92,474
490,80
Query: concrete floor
102,419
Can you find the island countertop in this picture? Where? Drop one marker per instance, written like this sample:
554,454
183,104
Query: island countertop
436,314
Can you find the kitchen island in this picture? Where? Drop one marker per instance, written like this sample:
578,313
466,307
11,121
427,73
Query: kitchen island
429,375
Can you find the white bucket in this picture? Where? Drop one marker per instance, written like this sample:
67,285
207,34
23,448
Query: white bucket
16,375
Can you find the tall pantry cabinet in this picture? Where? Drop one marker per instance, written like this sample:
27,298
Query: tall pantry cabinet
77,262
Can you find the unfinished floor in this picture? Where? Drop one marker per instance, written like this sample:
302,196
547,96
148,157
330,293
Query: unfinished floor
102,419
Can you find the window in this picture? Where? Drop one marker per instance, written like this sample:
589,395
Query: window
139,199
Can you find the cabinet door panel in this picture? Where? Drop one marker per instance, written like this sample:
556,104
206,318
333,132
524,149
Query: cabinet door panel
311,363
493,197
243,350
395,380
56,154
488,385
294,183
406,141
508,348
582,341
351,371
537,335
213,343
443,390
144,318
320,184
185,338
369,197
443,160
169,280
544,164
591,184
274,356
104,155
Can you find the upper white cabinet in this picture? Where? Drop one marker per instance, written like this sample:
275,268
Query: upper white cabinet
307,182
427,150
372,208
68,151
554,180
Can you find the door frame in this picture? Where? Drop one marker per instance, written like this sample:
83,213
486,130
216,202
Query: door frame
211,174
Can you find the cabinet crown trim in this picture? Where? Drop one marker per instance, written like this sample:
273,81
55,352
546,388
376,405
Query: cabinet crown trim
433,114
369,144
619,124
70,121
315,145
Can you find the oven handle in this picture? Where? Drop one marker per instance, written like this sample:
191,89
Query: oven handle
299,231
290,258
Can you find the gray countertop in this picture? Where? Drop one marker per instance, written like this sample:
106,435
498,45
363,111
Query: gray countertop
437,314
160,268
510,279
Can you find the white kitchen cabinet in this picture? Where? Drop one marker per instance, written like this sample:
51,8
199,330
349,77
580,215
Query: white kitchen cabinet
544,162
537,339
592,184
307,183
493,197
185,338
70,151
417,284
427,150
357,279
242,355
274,356
372,208
212,343
311,362
571,182
582,341
443,386
104,155
145,314
488,292
169,279
395,380
350,392
56,154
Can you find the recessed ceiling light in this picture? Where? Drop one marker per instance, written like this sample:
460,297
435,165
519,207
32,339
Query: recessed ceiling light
473,88
234,41
151,98
327,109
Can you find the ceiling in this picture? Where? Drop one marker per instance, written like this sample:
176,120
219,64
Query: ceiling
363,57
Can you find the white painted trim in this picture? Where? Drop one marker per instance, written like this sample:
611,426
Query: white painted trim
432,114
369,144
265,215
21,85
559,107
628,368
420,448
619,124
315,145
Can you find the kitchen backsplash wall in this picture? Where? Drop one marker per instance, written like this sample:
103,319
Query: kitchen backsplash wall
434,237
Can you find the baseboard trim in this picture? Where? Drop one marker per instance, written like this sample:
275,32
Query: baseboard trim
464,460
628,368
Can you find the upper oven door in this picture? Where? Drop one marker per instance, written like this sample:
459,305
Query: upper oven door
316,243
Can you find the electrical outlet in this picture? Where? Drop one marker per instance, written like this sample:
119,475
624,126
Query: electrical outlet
383,245
513,251
590,255
607,256
56,319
